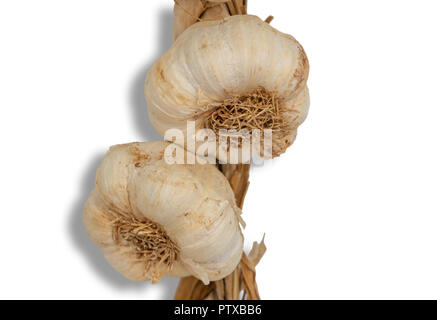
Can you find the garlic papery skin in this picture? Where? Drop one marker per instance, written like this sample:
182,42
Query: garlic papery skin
152,219
214,61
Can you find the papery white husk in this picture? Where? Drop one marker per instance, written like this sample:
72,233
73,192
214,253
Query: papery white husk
194,204
214,60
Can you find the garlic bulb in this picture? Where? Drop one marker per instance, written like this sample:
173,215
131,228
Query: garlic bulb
152,219
233,73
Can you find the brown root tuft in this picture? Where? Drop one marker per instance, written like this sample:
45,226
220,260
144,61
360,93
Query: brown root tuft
150,241
261,110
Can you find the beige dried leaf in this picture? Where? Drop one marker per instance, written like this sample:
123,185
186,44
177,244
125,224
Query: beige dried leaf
257,252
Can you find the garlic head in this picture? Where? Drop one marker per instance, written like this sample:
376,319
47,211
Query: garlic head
152,219
234,73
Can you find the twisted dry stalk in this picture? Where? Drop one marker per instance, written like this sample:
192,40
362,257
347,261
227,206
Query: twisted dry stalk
188,12
241,283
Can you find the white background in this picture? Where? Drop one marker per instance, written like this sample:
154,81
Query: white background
349,211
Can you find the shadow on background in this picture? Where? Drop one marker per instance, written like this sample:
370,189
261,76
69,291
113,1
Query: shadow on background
141,120
142,124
